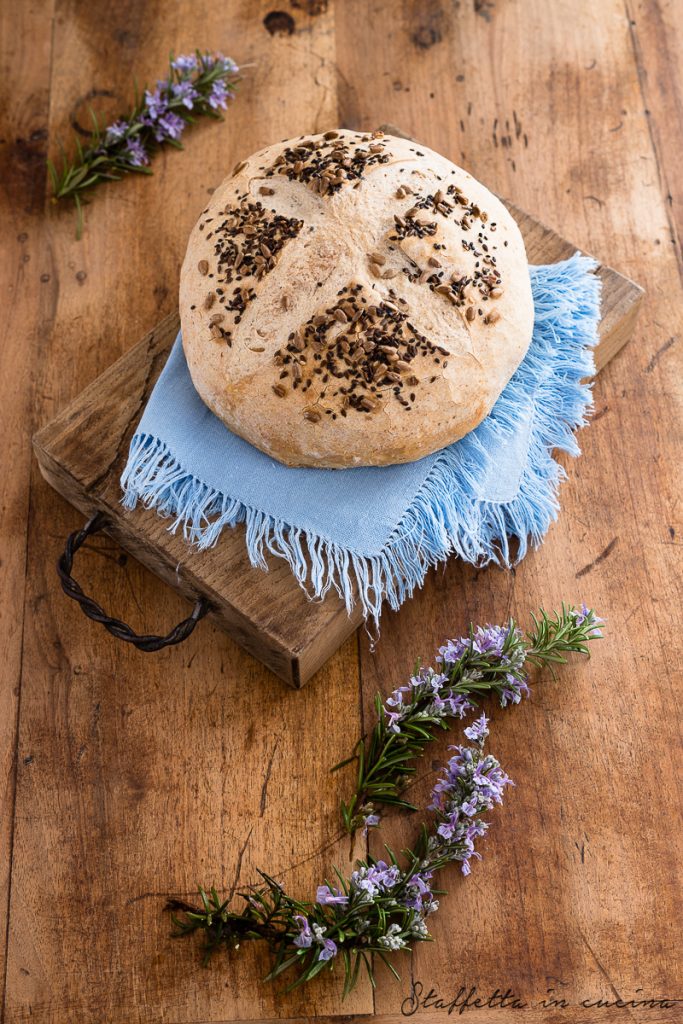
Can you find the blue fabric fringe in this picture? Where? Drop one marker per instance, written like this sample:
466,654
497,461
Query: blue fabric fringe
448,515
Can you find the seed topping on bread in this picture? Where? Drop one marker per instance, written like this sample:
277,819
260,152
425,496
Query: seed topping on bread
328,163
355,355
246,246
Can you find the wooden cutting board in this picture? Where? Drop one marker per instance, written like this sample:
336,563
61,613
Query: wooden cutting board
82,453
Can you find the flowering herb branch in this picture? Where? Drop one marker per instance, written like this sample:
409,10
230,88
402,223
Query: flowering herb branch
383,907
197,84
489,660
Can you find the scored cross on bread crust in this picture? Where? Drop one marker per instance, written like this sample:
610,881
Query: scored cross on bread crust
353,299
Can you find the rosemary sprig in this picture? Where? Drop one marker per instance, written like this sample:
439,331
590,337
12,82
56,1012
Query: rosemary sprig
488,660
382,908
197,84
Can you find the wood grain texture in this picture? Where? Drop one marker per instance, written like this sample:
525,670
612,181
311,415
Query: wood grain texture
83,451
26,286
137,777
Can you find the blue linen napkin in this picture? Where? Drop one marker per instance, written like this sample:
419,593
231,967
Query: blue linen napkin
372,533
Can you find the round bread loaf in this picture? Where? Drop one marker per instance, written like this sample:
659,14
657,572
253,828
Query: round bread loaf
353,299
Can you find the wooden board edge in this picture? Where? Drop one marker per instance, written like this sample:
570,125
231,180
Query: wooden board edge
269,652
295,667
617,324
42,436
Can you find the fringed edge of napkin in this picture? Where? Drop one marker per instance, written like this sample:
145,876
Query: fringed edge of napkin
441,521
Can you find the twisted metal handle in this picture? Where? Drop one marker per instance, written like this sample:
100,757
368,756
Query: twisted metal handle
94,611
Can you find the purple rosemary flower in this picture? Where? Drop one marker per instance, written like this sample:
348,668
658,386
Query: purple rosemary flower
169,126
328,897
584,615
185,64
156,103
370,821
227,64
116,131
393,718
383,876
305,937
469,807
218,95
136,153
479,730
376,878
485,640
329,950
452,651
418,894
581,614
515,689
185,92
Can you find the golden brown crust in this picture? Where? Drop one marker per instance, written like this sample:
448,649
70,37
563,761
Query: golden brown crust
353,299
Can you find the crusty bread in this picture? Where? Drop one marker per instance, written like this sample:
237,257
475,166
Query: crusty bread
350,299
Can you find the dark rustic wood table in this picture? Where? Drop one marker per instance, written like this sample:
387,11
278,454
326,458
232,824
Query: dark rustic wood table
129,777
